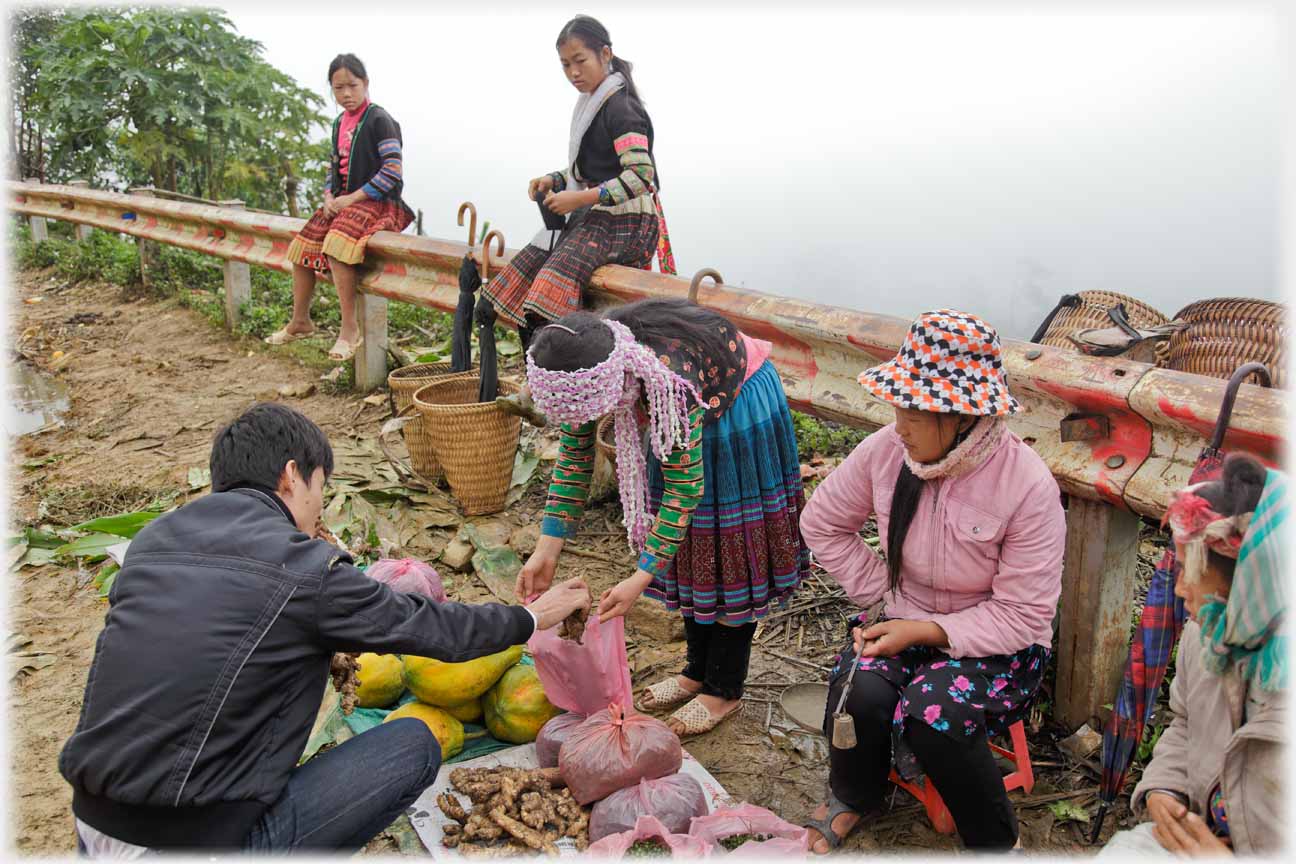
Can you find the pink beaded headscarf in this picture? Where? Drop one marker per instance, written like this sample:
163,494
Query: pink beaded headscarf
613,386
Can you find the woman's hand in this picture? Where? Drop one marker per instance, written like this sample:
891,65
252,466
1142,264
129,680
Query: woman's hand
539,187
537,573
617,600
888,638
1180,831
563,203
330,204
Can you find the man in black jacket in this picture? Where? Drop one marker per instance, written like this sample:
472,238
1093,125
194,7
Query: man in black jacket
208,673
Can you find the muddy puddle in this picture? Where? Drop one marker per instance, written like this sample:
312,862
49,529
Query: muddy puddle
35,401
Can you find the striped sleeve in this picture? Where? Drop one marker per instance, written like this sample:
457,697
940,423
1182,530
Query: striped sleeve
570,487
382,184
682,484
636,177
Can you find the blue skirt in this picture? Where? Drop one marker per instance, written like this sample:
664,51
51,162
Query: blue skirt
743,550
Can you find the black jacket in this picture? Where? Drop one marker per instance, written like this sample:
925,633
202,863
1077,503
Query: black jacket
213,657
597,159
363,162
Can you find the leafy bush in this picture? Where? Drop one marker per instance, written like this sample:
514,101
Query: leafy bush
824,437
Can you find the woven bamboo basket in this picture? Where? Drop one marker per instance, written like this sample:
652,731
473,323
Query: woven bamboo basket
1224,333
605,441
475,442
403,383
1092,313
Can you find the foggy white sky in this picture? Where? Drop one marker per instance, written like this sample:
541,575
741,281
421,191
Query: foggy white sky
885,160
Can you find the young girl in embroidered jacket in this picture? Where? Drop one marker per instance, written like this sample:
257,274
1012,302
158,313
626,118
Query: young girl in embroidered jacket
973,527
362,196
607,190
723,478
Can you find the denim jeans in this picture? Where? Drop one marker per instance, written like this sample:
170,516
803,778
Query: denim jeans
342,798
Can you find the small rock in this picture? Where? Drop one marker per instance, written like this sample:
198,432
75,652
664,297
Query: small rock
269,395
458,554
655,622
297,391
376,399
524,539
1082,743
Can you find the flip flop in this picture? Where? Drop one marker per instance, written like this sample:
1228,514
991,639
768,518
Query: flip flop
697,719
283,337
824,825
664,694
348,352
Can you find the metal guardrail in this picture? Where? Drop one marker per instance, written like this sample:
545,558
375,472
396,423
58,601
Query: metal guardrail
1132,431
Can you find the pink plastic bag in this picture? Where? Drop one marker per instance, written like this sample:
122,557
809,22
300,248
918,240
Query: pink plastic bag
553,734
586,676
612,750
681,845
674,800
409,575
788,839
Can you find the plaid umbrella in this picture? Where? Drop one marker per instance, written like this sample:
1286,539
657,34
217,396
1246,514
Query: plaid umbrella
1158,630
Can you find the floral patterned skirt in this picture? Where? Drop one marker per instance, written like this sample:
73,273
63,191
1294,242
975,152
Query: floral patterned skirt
955,697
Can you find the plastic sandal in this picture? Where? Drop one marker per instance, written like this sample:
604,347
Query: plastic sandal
283,337
664,694
348,352
824,825
697,719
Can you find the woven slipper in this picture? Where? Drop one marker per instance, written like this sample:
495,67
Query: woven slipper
664,694
348,350
283,337
697,719
824,825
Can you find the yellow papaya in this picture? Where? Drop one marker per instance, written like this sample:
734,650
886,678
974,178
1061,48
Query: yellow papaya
379,681
469,712
446,684
516,707
448,730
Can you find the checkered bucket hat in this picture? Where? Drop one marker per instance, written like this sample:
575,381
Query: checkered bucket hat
950,363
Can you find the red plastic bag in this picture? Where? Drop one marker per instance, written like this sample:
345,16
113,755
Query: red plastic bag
787,839
553,734
612,750
646,827
409,575
674,800
586,676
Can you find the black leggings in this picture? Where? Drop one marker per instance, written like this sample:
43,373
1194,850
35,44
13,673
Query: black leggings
963,769
718,656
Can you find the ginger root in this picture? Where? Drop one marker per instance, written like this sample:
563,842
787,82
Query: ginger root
572,627
342,669
527,835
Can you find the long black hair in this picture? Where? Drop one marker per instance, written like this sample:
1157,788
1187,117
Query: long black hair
349,62
589,31
904,504
653,322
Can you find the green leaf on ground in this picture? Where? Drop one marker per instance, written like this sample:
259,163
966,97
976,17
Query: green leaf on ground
198,478
92,547
1069,811
104,579
121,524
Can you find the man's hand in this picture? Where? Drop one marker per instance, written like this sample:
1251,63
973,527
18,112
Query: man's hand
888,638
539,187
617,600
537,573
560,601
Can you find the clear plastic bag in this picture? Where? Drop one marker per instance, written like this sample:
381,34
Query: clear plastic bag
674,800
553,734
785,838
646,828
612,750
408,575
585,676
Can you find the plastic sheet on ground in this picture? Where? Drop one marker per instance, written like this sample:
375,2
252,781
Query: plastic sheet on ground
428,820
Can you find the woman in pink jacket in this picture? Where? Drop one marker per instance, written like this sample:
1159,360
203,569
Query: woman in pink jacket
972,524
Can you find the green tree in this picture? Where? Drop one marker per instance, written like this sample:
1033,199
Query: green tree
175,98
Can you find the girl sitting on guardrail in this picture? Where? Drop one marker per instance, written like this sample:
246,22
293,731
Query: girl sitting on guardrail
712,511
362,196
607,191
973,528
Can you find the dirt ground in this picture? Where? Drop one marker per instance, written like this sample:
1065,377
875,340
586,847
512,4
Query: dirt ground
149,382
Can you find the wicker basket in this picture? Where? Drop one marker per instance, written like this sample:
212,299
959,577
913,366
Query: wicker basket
403,383
1224,333
605,441
475,442
1092,313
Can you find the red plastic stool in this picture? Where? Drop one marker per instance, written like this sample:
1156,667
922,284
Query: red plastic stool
925,791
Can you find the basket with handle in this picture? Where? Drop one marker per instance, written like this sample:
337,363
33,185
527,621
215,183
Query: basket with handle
1225,333
475,442
1088,310
605,441
402,384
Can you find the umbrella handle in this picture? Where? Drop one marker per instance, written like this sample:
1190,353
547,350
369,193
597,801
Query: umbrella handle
1230,396
1098,822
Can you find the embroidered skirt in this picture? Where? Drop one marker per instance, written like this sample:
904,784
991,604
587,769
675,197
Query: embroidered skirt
550,284
344,236
955,697
743,550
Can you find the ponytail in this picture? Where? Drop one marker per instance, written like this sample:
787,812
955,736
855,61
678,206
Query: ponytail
620,64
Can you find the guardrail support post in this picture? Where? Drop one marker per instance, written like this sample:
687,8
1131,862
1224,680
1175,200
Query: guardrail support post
1099,578
39,231
238,280
148,249
82,232
371,359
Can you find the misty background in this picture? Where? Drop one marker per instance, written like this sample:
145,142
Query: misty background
989,158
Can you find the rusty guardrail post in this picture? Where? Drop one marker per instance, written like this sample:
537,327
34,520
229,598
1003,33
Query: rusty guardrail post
82,232
39,230
238,280
147,249
371,358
